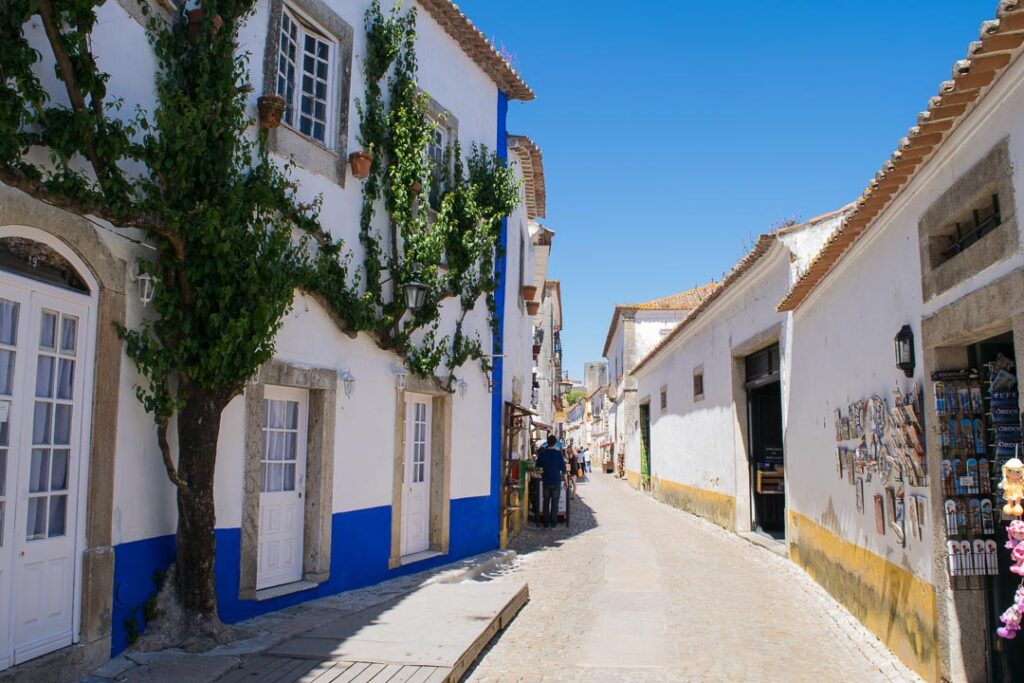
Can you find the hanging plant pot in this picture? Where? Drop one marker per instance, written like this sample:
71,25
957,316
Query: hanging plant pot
360,162
271,108
195,22
529,291
532,307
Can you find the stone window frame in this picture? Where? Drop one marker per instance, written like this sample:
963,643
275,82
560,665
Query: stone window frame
318,497
440,471
991,175
329,162
698,377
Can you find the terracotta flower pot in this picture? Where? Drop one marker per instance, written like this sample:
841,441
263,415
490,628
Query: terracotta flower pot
271,108
532,307
361,162
195,21
536,349
529,291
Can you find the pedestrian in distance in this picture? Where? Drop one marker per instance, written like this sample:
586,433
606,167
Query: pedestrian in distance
586,461
551,461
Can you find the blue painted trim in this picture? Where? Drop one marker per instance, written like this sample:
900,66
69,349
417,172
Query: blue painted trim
497,401
360,549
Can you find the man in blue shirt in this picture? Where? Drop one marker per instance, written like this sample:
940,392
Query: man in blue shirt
552,462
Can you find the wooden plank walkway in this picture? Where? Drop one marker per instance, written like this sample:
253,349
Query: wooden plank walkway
431,636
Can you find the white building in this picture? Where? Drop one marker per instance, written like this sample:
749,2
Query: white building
378,502
634,330
710,393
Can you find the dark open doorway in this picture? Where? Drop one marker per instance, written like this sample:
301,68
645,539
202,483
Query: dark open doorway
645,446
764,427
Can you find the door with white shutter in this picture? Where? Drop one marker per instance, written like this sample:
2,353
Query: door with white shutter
282,486
416,484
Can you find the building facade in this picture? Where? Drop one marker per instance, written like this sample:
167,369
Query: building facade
387,473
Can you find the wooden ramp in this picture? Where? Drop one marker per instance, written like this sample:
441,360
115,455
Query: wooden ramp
431,635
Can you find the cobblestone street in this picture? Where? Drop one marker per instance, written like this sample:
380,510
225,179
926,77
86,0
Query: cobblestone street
636,590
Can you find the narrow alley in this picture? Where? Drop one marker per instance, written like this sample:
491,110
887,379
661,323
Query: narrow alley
635,590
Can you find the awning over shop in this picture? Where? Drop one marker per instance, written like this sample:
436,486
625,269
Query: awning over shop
541,426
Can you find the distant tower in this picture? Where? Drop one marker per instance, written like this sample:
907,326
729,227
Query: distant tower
595,374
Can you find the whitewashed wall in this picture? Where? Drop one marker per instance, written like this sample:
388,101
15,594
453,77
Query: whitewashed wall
144,499
843,333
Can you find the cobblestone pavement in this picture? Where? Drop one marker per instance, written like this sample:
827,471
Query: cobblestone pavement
635,590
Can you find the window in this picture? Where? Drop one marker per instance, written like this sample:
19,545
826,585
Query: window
698,384
982,220
664,399
437,158
304,76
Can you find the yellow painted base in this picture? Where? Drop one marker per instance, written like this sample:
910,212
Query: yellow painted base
633,478
891,602
713,506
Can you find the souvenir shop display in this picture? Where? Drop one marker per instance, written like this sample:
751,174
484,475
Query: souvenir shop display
982,476
876,442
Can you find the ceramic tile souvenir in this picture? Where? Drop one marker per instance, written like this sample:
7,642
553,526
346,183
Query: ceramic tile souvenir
977,404
988,522
958,473
839,425
970,480
953,553
879,515
946,473
967,561
984,476
846,429
922,503
859,492
980,447
952,528
915,527
839,461
974,516
991,558
963,396
939,390
980,557
961,516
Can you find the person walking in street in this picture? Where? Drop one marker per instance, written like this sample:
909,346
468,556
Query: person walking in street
551,461
578,463
586,461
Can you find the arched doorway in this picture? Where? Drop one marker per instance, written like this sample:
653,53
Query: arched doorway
48,302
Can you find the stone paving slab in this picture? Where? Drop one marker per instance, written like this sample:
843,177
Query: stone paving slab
434,626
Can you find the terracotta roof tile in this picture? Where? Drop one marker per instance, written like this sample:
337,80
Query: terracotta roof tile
681,301
987,59
475,44
531,161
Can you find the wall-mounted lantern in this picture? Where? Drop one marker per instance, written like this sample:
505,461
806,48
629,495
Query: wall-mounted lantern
905,350
400,377
461,384
415,294
348,382
146,283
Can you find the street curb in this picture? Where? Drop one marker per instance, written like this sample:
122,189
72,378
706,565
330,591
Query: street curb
475,566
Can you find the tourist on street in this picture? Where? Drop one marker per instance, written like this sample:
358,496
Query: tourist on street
586,461
579,462
551,461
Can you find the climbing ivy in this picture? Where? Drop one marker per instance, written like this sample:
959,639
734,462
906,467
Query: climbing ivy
232,239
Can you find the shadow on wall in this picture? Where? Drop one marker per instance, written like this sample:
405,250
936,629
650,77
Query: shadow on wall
360,548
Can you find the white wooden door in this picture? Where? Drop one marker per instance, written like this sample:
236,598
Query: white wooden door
42,365
416,488
282,486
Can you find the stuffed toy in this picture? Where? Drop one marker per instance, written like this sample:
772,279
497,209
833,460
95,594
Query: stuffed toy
1011,618
1012,487
1017,557
1015,532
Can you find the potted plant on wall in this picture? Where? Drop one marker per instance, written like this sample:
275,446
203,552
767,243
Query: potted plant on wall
271,109
194,16
529,291
532,307
361,162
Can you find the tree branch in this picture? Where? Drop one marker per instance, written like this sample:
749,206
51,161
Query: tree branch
165,452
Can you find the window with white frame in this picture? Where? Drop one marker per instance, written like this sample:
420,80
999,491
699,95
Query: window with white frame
305,66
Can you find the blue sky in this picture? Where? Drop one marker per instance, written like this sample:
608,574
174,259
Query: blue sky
674,132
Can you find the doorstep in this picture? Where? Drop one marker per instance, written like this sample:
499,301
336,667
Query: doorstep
767,542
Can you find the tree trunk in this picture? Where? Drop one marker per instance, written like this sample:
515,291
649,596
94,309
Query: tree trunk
198,431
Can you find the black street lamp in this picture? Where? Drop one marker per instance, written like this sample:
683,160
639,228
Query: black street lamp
415,294
905,350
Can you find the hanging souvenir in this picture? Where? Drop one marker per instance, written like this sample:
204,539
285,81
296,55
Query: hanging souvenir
971,479
984,476
991,557
946,472
879,515
974,516
988,522
952,528
1012,486
915,529
840,456
953,555
940,398
859,492
966,558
